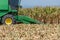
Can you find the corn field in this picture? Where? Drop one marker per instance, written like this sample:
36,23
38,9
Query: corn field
45,14
48,31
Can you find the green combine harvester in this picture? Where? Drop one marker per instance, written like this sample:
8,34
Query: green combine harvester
9,13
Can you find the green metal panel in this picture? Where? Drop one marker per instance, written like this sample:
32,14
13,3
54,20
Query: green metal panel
4,5
26,19
3,13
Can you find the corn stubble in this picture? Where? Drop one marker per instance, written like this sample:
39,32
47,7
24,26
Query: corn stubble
30,32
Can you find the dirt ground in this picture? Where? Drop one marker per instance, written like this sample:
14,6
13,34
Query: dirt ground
30,32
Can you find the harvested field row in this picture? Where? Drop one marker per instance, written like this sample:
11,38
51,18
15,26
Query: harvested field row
30,32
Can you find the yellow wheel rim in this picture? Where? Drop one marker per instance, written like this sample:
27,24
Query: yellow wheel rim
8,21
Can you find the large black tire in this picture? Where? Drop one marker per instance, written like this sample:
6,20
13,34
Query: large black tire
8,16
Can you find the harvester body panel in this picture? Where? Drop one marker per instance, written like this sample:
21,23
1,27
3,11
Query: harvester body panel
4,5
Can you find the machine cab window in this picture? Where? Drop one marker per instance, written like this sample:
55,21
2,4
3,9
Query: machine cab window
13,4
